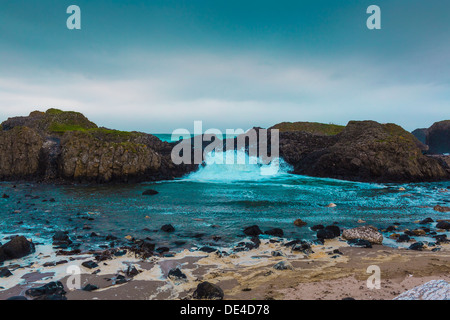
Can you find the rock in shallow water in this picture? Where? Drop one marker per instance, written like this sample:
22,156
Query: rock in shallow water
168,228
252,231
433,290
276,232
443,225
150,192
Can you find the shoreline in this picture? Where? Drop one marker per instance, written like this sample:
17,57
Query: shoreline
321,274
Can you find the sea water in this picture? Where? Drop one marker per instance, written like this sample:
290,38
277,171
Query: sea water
216,201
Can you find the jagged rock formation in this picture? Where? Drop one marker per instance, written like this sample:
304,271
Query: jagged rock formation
66,145
363,151
437,137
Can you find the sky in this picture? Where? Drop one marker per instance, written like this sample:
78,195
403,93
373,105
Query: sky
159,65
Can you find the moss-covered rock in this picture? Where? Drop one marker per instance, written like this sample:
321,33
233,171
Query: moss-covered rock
65,145
363,151
310,127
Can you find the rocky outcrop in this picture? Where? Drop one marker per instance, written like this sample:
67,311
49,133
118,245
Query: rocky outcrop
55,145
363,151
437,137
19,153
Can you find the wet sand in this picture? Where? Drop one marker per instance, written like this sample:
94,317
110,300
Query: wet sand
244,275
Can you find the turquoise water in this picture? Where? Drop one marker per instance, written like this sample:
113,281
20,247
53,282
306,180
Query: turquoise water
218,200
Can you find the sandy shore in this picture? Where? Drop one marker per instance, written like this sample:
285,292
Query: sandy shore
246,275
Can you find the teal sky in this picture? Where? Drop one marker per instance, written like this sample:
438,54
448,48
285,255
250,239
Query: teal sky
155,66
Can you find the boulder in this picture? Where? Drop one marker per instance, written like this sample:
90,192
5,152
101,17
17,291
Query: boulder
208,291
17,248
275,232
283,265
252,231
368,233
300,223
418,246
50,291
443,225
176,274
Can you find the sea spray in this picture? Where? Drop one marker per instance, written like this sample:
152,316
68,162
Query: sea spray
218,167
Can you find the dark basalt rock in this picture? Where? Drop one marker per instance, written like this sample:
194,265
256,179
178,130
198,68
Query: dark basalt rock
50,291
303,246
418,246
168,228
443,225
276,232
90,264
207,249
17,248
150,192
132,271
317,227
252,231
61,239
426,220
90,287
359,243
176,274
329,232
403,238
208,291
5,273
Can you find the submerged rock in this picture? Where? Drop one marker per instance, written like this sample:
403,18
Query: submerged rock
168,228
368,233
150,192
209,291
300,223
17,248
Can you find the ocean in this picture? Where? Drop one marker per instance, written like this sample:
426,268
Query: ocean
212,206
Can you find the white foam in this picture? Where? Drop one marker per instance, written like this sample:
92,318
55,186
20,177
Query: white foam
218,167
